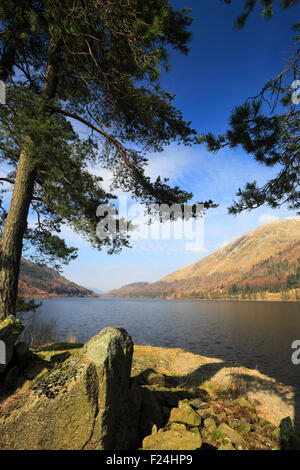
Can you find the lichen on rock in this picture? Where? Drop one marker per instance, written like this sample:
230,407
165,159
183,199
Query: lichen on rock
84,403
10,330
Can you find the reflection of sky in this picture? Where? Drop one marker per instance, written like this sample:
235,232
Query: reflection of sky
223,68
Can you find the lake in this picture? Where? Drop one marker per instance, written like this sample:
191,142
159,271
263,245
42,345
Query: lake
256,334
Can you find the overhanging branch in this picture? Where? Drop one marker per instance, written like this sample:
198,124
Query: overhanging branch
118,147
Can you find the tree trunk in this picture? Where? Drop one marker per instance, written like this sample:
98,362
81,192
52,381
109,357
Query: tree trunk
16,222
13,232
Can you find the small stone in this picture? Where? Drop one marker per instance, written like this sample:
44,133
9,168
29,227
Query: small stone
185,414
198,404
154,429
183,403
230,433
209,424
233,422
173,440
242,402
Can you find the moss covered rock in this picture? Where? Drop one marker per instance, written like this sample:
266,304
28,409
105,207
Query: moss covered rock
226,446
210,424
186,415
226,431
173,440
85,403
10,330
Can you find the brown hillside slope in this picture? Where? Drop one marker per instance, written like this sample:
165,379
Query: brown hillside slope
37,281
261,259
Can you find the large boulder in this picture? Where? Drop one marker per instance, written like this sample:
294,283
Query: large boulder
84,403
10,330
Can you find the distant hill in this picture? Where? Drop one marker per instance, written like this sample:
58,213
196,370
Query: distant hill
262,263
38,281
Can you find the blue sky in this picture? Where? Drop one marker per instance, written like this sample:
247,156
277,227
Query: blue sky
224,67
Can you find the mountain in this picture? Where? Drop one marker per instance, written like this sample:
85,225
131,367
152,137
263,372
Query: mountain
264,262
95,290
38,281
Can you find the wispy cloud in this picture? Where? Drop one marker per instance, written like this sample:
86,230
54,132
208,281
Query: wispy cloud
222,244
267,218
197,249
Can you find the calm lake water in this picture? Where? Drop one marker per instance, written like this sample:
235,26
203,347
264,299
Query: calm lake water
256,334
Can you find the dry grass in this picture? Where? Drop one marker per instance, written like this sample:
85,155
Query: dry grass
35,334
71,337
12,401
274,401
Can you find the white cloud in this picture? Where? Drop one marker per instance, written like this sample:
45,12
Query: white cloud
198,249
267,218
174,163
221,245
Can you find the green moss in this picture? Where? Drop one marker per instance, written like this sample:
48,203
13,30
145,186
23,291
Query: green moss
46,352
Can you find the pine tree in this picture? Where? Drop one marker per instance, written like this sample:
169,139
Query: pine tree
97,63
267,126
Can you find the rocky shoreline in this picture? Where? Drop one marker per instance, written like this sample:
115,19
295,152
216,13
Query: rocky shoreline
111,394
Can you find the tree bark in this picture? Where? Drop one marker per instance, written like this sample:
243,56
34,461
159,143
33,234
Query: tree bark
13,232
16,222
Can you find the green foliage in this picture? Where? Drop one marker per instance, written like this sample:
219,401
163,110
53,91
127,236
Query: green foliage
267,9
293,280
271,136
108,58
25,306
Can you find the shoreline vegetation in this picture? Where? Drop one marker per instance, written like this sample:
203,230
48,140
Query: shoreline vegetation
272,298
269,297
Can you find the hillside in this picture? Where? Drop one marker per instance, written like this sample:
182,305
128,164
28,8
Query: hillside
262,262
37,281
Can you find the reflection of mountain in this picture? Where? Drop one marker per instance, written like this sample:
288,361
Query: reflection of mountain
38,281
96,290
266,259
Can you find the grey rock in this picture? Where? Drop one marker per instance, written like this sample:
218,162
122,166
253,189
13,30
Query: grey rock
10,330
94,395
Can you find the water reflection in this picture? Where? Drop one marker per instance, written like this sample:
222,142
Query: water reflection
256,334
